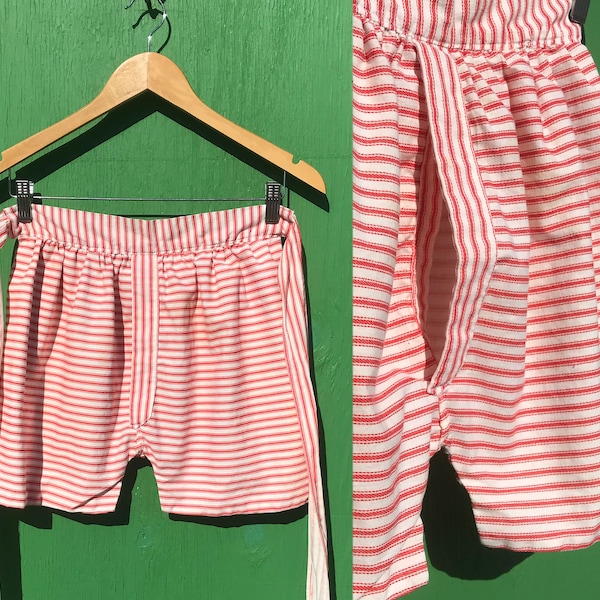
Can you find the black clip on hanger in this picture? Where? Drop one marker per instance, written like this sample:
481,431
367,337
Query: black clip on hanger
24,199
273,198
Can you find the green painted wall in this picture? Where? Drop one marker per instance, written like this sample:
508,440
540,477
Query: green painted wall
283,70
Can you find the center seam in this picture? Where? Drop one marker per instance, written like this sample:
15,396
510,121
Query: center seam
144,330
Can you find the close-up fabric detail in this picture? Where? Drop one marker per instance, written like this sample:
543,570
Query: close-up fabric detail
476,143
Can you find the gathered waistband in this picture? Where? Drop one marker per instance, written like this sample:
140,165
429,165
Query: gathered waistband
476,24
122,235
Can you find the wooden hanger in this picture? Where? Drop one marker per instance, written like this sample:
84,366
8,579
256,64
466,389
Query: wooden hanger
155,73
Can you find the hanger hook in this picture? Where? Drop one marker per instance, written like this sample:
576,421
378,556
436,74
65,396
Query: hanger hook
162,22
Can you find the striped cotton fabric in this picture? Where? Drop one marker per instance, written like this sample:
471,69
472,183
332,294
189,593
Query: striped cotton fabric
476,276
182,340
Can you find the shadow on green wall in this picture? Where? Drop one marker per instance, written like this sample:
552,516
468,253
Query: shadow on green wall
135,110
10,555
41,518
10,551
452,541
453,544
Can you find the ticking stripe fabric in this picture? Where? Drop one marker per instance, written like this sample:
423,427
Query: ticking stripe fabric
182,340
476,276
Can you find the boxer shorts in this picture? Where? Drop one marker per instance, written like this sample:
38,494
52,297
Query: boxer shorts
182,340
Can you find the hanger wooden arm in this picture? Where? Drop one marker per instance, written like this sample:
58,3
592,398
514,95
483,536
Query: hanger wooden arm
153,72
118,90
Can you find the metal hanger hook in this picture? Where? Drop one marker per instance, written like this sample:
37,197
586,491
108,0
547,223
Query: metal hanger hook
162,22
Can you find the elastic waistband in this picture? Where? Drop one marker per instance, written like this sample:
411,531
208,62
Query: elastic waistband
476,24
112,234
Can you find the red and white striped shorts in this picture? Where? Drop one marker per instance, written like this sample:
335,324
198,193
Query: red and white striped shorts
476,276
182,340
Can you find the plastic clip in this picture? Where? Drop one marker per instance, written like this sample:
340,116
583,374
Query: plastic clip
273,198
579,11
24,200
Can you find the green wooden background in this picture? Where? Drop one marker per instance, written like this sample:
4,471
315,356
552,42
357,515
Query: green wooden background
283,70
